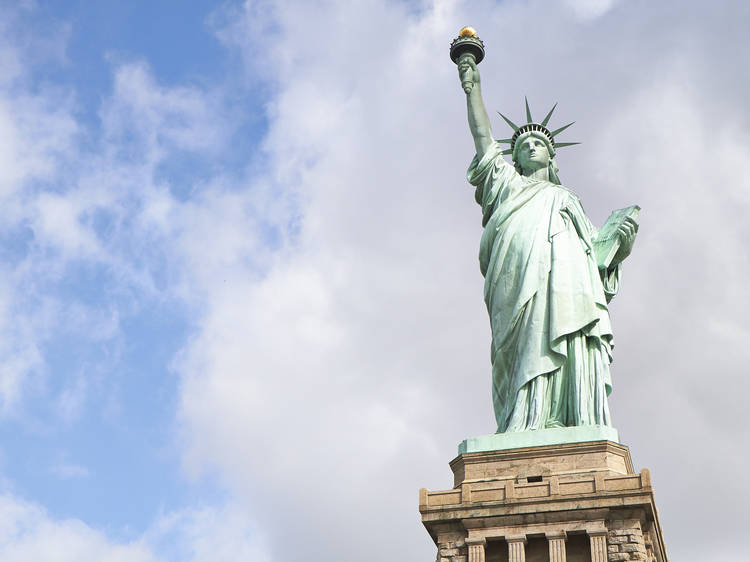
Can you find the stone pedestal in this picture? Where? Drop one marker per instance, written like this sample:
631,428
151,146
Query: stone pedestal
570,502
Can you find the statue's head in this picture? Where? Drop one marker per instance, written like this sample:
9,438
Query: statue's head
533,145
534,151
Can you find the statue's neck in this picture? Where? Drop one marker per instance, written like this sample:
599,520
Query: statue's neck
540,174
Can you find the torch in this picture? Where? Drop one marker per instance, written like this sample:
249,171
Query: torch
467,42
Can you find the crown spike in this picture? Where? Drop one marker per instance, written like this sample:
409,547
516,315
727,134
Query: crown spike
560,130
564,144
506,141
508,151
508,121
546,119
528,112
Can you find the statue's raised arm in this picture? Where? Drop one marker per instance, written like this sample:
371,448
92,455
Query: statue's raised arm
467,50
479,121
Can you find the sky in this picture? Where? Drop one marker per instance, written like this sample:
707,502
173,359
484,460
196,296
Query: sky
241,313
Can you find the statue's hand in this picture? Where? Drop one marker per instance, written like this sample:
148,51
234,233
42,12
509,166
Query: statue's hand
626,233
468,72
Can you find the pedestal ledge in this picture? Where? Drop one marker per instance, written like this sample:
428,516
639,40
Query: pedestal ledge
564,460
537,438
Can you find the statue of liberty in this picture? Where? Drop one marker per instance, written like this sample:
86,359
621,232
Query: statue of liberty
549,275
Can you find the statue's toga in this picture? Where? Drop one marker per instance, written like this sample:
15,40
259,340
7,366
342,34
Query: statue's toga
549,274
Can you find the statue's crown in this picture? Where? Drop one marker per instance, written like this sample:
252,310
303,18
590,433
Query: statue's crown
537,129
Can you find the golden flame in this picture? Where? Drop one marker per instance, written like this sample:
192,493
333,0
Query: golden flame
467,31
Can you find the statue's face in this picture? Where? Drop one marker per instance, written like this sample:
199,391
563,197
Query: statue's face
533,154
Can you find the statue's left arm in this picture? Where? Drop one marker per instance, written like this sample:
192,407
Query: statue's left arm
626,233
609,266
610,273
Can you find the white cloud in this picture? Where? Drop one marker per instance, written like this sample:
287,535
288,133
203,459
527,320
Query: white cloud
208,533
100,206
36,131
37,134
219,534
20,355
105,207
59,222
27,532
149,120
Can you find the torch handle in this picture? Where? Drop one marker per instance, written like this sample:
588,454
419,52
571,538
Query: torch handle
467,79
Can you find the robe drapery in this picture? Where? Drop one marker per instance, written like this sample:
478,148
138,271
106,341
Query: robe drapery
546,298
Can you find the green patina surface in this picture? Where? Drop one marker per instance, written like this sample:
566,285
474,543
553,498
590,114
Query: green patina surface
520,439
549,276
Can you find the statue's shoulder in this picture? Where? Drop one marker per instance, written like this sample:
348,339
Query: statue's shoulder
568,192
493,154
491,165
